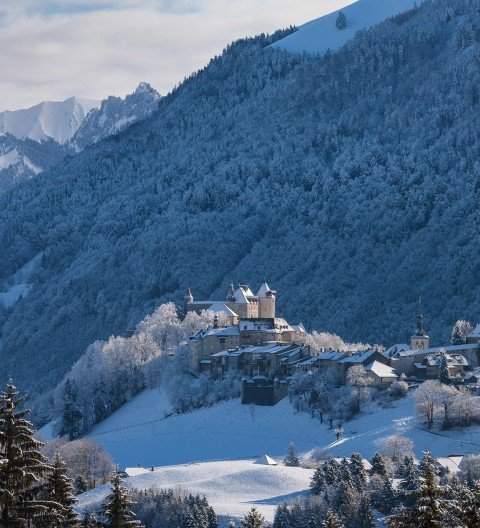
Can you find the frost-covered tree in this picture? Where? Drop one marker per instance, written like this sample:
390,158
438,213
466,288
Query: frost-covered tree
71,418
22,466
292,456
358,473
460,331
332,521
317,484
426,400
253,519
359,381
341,22
365,517
282,516
395,448
118,505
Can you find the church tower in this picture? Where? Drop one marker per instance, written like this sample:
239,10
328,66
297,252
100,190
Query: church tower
420,339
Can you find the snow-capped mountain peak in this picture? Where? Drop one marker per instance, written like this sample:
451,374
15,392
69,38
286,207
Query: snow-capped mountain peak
57,120
322,34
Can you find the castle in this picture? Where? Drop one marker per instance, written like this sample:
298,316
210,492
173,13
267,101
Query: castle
251,320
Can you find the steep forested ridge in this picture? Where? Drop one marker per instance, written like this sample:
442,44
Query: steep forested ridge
350,182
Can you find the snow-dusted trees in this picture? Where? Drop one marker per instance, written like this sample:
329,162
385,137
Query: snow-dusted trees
456,406
359,381
253,519
460,331
118,507
395,448
292,456
341,22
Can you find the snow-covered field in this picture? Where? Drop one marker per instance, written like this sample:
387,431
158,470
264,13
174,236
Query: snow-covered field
231,487
138,433
321,34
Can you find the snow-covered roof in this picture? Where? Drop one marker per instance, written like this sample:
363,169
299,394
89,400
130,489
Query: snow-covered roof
241,296
451,462
395,349
221,307
475,332
265,460
381,370
299,328
219,332
358,357
277,325
134,471
453,360
435,350
264,290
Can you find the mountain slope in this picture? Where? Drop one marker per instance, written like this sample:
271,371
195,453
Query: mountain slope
321,35
56,120
350,181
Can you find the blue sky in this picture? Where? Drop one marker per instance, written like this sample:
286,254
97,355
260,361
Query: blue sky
53,49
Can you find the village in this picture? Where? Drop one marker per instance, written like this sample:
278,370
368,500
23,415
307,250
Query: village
248,337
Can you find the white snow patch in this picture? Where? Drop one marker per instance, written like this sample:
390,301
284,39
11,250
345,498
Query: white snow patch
321,35
231,487
8,159
17,285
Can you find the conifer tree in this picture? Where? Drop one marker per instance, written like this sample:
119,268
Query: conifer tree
365,517
346,502
22,465
89,521
282,516
58,489
341,22
72,417
292,459
357,470
332,521
117,507
444,375
345,474
253,519
409,482
464,507
188,521
332,472
317,485
378,466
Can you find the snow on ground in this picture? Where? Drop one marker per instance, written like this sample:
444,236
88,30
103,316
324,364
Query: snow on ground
138,433
321,34
16,286
231,487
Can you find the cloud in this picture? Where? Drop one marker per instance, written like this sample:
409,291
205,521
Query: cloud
99,48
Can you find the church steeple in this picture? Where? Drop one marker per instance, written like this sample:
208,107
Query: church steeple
187,300
420,339
231,294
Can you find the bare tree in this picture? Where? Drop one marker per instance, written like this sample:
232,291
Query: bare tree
426,399
396,448
358,380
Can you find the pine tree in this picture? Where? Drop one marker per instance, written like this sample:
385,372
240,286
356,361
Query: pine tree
345,474
378,466
409,482
357,470
341,22
332,521
464,507
89,521
22,467
188,521
444,375
58,489
292,457
332,472
317,485
282,517
365,517
429,509
386,498
72,417
117,507
346,502
253,519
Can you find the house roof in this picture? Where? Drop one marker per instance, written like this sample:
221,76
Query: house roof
434,350
264,289
381,370
359,357
219,332
265,460
451,462
276,325
395,349
453,360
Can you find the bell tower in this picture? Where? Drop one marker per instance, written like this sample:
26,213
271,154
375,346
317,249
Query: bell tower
187,300
420,339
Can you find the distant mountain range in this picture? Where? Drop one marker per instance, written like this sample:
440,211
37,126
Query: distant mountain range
35,139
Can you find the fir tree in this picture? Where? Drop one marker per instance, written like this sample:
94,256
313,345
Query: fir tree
346,502
464,507
292,457
345,474
365,517
282,517
253,519
357,470
22,467
188,521
331,472
409,482
72,417
89,521
58,489
117,507
378,466
444,375
341,22
332,521
317,485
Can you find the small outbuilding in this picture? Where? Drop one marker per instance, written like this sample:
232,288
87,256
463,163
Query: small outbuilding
265,460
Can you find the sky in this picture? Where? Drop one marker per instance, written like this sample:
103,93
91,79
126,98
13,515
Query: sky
54,49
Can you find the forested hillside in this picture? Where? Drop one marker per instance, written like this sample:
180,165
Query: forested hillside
350,182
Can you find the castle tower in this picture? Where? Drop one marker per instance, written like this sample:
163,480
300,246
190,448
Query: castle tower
420,339
266,302
187,300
